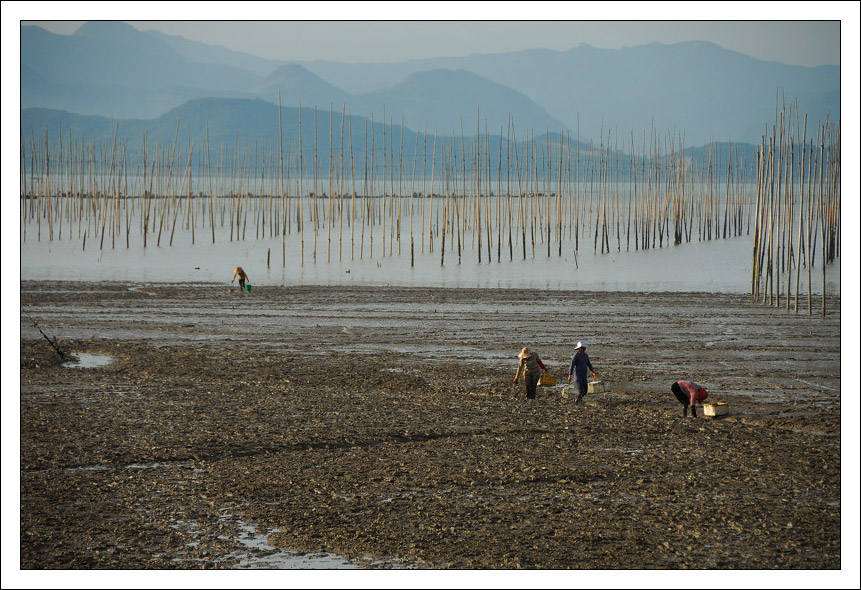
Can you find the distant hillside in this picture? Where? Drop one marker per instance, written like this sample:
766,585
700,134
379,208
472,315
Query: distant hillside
697,89
112,69
293,84
234,131
147,74
455,100
213,54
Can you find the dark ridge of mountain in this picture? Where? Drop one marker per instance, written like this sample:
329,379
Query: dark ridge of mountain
39,125
240,132
439,99
235,123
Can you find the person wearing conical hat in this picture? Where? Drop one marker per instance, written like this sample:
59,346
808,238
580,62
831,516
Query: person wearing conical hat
529,363
579,363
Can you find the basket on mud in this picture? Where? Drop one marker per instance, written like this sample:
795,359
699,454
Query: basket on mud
548,380
598,387
716,409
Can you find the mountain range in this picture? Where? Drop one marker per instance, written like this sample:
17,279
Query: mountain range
695,90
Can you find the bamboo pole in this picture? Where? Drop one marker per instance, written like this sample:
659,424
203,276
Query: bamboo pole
412,201
352,194
314,212
508,188
431,215
341,186
400,185
371,191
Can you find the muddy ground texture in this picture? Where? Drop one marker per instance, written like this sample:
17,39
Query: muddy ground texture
382,425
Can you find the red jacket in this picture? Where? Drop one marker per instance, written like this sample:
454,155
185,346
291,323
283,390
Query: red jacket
697,391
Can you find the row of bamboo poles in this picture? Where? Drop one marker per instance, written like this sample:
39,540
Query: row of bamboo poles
538,200
544,195
797,214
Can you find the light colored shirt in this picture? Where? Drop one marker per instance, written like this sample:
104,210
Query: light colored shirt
529,363
238,272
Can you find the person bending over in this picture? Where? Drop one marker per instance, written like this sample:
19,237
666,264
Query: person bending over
238,272
689,394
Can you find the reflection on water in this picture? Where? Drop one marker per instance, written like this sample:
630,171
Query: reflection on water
259,554
85,360
719,266
343,256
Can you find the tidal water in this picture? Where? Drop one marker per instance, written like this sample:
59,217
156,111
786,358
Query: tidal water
340,255
722,266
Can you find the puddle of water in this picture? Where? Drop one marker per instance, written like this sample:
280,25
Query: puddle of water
257,553
157,464
79,468
85,360
275,558
622,450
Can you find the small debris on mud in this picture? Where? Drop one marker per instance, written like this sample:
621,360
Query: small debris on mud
366,424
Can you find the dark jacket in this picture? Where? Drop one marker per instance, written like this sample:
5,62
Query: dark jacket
579,363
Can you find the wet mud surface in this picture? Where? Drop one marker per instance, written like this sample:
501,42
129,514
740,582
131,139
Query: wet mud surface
381,425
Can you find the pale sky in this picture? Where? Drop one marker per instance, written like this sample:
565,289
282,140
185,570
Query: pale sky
409,35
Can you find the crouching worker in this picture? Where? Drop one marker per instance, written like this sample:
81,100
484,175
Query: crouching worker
689,394
529,363
238,272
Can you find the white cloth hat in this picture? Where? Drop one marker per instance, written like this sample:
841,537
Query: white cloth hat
580,345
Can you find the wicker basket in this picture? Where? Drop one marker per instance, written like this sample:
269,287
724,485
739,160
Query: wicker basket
547,380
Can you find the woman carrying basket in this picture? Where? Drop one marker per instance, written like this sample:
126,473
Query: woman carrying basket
529,362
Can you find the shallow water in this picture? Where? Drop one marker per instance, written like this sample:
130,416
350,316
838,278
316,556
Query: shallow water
260,554
85,360
722,266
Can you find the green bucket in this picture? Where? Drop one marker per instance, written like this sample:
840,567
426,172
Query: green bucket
248,288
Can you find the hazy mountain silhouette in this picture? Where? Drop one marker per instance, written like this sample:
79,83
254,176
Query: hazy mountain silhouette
245,132
450,101
297,85
147,74
697,90
695,87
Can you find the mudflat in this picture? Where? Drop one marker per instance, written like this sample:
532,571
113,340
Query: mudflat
381,425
